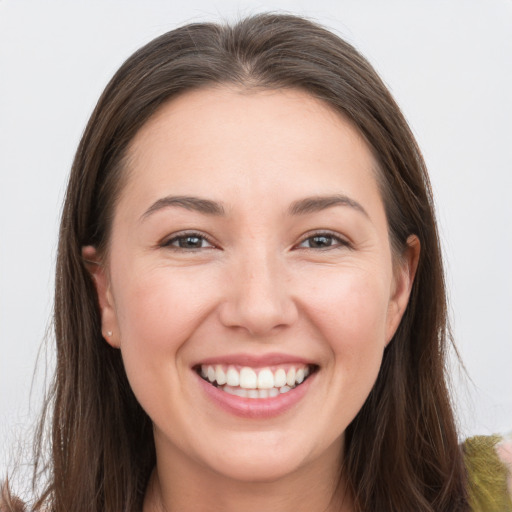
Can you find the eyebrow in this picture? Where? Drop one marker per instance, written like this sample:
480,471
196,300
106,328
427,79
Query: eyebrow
196,204
209,207
319,203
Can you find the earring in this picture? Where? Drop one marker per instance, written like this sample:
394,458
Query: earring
109,333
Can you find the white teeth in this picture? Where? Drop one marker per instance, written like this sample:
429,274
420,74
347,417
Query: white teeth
255,393
229,389
265,379
232,377
235,391
248,378
250,383
220,376
240,392
290,377
280,378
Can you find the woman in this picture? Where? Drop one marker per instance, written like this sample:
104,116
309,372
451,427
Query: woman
250,307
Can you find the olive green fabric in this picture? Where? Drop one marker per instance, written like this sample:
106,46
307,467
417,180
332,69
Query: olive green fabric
487,474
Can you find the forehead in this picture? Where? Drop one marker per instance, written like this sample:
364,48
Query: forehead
238,143
207,113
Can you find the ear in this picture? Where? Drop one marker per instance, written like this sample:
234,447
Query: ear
404,273
99,273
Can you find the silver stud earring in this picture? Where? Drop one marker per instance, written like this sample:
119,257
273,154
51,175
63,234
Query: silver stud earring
109,333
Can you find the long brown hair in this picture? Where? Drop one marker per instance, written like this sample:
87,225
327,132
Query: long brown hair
402,450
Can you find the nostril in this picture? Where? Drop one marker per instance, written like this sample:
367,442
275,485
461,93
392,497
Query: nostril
258,319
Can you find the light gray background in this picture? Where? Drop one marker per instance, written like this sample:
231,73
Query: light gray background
449,65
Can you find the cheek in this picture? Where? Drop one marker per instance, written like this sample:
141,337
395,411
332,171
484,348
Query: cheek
157,312
350,312
160,308
351,306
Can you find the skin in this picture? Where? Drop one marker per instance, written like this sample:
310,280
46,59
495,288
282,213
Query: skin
259,286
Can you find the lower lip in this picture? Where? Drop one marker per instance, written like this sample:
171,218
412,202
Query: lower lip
256,407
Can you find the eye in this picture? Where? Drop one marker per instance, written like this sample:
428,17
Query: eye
188,241
323,241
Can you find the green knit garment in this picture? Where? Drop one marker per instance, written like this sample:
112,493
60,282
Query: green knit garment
487,474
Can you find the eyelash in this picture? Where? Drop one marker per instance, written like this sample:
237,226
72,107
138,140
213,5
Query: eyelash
338,241
181,236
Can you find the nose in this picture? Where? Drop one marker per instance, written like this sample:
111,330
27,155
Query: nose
258,296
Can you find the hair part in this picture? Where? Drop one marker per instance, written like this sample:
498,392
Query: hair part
401,450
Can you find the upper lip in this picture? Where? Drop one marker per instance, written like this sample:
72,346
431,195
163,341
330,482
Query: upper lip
254,361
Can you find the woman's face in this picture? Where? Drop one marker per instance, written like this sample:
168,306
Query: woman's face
250,246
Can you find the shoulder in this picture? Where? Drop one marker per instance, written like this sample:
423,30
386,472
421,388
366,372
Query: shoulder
488,462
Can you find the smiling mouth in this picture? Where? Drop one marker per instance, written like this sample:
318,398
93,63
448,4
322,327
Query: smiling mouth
247,382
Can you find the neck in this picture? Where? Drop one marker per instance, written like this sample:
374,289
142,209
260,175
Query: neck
178,485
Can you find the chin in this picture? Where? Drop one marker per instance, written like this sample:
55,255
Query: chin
258,471
260,461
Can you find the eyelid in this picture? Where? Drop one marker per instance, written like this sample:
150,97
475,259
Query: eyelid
342,241
167,241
